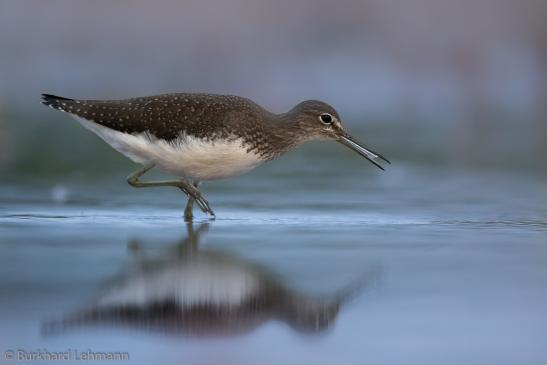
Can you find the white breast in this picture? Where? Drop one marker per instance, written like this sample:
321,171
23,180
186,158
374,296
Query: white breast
187,156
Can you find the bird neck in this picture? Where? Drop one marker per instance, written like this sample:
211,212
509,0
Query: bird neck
284,134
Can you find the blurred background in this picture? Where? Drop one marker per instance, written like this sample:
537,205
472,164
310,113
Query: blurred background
457,83
448,242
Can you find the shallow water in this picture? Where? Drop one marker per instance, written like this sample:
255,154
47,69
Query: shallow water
302,265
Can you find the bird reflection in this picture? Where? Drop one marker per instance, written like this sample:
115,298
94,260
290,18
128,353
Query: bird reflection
199,292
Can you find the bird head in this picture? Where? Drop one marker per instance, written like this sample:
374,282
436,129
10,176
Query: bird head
318,120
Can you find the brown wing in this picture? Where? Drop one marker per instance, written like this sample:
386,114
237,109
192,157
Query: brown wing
164,116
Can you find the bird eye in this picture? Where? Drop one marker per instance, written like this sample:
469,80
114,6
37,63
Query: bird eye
326,118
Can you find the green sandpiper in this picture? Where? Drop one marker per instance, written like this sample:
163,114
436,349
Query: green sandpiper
203,137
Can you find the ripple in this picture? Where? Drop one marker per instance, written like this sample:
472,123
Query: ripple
170,217
62,215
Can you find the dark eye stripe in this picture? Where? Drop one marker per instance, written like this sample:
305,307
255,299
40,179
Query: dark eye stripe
326,118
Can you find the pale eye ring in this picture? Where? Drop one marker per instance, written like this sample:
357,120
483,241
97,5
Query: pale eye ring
326,118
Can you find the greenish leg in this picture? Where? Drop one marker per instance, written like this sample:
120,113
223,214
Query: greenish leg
189,189
188,215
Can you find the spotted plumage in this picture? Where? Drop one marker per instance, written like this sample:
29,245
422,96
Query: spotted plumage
201,137
167,117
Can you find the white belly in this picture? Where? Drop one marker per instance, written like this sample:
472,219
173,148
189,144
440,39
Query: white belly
201,280
187,156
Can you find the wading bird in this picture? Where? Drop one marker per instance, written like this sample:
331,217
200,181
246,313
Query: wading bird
203,137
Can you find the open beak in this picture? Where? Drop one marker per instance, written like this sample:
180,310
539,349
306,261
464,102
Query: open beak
367,153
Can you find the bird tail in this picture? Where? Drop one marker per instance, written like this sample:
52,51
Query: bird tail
56,102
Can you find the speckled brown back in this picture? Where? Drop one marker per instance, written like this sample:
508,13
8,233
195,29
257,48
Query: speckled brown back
169,116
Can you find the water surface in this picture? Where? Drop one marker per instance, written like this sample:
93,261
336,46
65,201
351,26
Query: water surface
304,264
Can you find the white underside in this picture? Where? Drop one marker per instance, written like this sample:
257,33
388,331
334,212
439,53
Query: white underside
187,156
199,281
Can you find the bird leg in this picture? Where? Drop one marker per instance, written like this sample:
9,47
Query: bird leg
190,190
188,215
